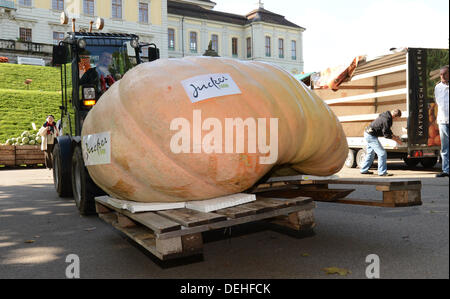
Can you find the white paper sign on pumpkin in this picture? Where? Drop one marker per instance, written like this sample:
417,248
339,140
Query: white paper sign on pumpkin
97,149
204,87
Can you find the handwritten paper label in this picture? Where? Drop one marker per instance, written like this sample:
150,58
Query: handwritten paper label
204,87
97,149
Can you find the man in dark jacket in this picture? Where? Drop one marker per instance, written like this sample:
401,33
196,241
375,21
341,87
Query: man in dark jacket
380,127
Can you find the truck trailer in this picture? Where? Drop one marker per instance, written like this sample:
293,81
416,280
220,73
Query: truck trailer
405,80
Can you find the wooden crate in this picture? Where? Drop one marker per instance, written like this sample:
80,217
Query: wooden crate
29,155
7,155
177,233
16,155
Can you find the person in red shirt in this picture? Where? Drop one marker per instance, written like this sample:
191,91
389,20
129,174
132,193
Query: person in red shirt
48,132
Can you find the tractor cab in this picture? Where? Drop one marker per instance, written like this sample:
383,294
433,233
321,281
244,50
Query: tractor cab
97,61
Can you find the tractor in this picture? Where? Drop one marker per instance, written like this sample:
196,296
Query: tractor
90,63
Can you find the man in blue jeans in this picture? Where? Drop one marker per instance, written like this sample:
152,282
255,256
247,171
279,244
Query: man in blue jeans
378,128
441,96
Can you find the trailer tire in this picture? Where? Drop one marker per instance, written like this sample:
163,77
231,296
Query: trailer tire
428,162
350,162
360,157
411,162
84,189
62,180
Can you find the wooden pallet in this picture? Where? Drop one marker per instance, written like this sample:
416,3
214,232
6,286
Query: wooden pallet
395,193
177,233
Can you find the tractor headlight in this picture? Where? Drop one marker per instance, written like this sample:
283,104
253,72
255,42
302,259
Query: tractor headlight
89,93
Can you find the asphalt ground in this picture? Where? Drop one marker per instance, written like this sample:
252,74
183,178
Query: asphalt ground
38,230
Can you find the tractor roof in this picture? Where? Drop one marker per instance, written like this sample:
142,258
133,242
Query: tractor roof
102,35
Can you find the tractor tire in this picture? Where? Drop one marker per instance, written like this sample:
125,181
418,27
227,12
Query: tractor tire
62,180
84,189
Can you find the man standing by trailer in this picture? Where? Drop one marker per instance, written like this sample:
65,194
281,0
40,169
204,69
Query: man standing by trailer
441,96
378,128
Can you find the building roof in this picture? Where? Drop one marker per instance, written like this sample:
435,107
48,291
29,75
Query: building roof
195,11
263,15
258,15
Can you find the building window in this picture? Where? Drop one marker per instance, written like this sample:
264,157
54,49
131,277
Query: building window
280,48
25,34
268,50
57,37
234,47
116,9
171,39
25,3
249,47
58,4
88,7
215,42
193,42
294,50
143,12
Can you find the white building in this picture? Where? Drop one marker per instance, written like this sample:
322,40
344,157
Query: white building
178,27
260,35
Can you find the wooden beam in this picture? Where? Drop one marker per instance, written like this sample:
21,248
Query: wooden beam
364,117
381,72
352,104
192,243
389,93
355,87
388,85
169,246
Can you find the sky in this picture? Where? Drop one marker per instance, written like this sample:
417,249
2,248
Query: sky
338,31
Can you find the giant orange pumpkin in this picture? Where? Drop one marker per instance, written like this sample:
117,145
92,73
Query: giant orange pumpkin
138,111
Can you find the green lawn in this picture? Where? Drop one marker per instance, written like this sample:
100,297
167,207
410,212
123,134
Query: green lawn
21,105
45,78
19,108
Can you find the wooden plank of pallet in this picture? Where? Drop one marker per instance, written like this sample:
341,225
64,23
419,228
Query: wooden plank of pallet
237,221
190,218
152,220
291,201
246,210
362,202
367,182
236,212
380,203
156,222
393,187
325,194
261,206
316,192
